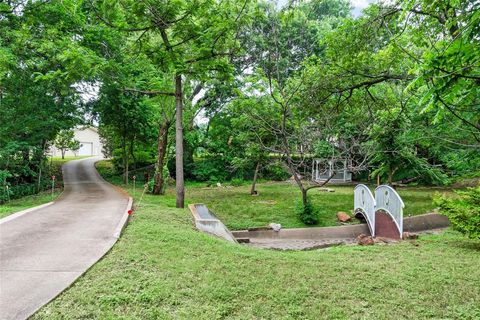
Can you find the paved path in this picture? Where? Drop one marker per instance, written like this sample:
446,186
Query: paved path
42,252
297,244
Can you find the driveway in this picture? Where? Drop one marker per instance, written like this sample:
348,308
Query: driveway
44,251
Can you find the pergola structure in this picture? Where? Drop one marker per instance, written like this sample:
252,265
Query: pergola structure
322,169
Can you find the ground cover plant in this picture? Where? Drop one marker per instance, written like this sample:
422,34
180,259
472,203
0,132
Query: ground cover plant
277,201
162,268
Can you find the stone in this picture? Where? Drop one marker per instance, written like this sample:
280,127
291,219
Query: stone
365,240
409,236
326,190
384,240
343,216
275,226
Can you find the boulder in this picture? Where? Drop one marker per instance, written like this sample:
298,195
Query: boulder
365,240
409,236
275,226
343,216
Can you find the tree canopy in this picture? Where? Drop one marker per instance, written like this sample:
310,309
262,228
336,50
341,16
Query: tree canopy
218,90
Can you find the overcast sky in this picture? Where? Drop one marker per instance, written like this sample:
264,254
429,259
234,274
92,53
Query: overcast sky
358,5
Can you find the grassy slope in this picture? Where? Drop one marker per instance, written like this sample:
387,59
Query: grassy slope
27,202
276,202
161,268
40,198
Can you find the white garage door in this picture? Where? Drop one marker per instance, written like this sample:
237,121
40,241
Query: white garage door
86,149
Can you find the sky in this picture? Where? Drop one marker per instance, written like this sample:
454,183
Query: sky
358,5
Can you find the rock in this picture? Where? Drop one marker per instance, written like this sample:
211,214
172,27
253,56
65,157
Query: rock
343,216
409,236
219,184
384,240
275,226
326,190
365,240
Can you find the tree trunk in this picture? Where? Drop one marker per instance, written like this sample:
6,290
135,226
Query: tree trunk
63,153
125,161
297,179
254,182
161,152
391,172
180,187
126,169
304,196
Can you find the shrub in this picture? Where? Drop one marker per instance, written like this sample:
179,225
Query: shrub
463,211
150,185
308,214
209,170
236,182
276,171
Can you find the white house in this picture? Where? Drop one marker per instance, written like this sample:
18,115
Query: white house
90,144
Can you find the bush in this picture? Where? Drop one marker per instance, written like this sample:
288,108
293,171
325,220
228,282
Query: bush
150,185
209,170
308,214
236,182
463,211
276,171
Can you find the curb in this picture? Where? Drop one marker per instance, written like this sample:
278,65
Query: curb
123,222
21,213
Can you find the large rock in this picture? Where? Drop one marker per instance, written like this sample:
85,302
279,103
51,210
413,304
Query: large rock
409,236
343,216
275,226
365,240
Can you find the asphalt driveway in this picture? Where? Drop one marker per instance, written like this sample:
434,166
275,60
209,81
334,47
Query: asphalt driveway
43,251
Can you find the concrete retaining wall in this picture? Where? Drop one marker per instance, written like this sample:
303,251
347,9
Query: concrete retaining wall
208,222
425,222
410,224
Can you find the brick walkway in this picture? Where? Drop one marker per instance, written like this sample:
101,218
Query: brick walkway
297,244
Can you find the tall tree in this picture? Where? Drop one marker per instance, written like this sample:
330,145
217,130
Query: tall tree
188,39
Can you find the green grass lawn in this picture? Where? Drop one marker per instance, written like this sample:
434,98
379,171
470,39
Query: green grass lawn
277,200
59,158
162,268
27,202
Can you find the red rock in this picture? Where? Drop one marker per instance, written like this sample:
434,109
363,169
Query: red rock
343,216
365,240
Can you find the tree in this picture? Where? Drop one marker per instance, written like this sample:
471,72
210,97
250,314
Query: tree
65,141
190,38
276,90
41,60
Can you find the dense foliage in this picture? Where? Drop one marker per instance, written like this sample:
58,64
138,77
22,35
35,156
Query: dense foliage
464,211
214,91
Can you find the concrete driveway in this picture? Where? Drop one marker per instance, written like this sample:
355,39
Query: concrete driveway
43,251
